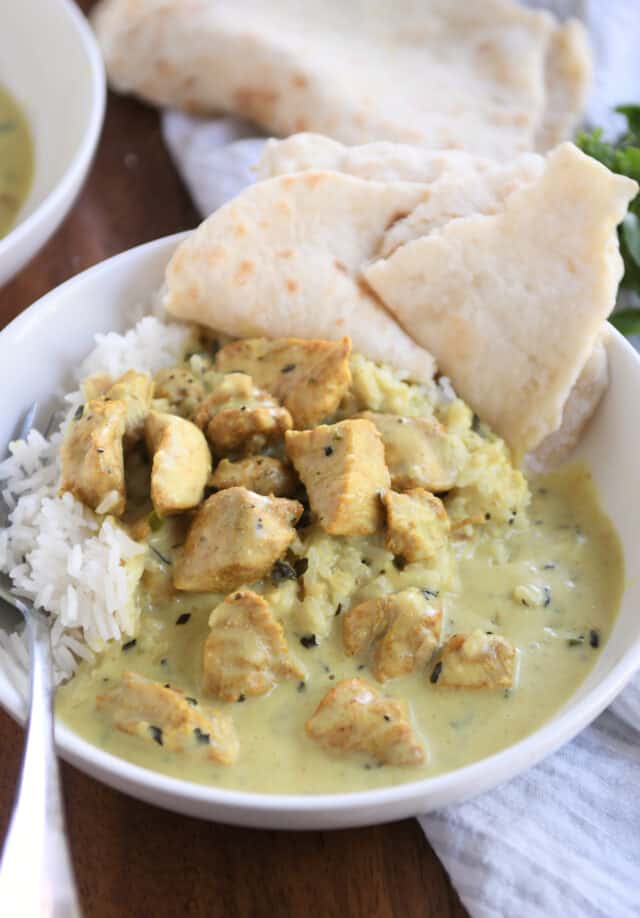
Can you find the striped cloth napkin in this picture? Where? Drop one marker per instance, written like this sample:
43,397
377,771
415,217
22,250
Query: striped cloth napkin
562,840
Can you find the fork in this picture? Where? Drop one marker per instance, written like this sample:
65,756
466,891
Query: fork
36,877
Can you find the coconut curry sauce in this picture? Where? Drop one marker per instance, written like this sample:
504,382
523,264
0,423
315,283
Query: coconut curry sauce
436,632
16,160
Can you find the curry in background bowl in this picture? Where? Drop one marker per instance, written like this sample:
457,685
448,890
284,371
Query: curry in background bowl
16,160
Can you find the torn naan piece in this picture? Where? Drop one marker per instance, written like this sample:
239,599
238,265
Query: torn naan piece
583,399
284,258
511,305
460,184
442,73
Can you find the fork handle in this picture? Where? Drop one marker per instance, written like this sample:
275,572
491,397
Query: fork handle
36,878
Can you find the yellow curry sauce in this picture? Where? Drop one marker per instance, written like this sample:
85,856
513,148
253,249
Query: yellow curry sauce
16,160
546,575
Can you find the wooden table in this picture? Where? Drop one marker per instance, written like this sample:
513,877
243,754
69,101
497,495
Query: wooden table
133,859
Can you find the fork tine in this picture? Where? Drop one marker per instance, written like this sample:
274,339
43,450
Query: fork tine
27,423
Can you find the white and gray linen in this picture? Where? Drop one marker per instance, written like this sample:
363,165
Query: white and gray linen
563,839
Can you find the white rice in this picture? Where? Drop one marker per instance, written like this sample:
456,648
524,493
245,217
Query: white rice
83,569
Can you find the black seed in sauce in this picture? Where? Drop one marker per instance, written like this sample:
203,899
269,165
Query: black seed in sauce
192,701
594,638
549,566
99,449
301,566
309,640
338,609
328,450
575,641
399,562
201,736
386,717
288,368
160,556
475,423
507,693
78,413
429,593
167,685
435,673
361,666
183,619
302,686
366,562
487,516
163,661
156,733
331,677
547,596
241,698
129,644
259,524
282,570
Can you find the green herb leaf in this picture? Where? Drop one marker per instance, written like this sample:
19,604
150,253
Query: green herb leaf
632,114
627,321
631,236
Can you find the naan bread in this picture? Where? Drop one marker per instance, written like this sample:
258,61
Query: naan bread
442,73
511,304
583,399
460,184
284,258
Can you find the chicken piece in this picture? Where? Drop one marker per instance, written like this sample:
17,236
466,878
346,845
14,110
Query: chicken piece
180,388
355,717
261,474
477,660
408,624
181,462
246,652
236,538
343,469
96,386
163,715
418,451
238,415
308,376
92,456
417,524
136,391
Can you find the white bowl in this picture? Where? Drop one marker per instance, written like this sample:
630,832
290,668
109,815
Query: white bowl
101,299
51,64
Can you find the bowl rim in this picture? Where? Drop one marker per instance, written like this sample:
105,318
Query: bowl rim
213,800
81,158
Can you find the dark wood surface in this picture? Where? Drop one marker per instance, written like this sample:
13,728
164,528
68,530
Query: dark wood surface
131,858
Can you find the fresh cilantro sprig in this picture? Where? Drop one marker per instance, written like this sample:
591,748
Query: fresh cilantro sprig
623,157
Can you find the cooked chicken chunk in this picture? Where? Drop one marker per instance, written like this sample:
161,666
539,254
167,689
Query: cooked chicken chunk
136,391
246,652
92,457
180,388
308,377
409,627
236,538
417,524
261,474
181,462
238,415
343,469
476,660
418,451
96,386
355,717
163,715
